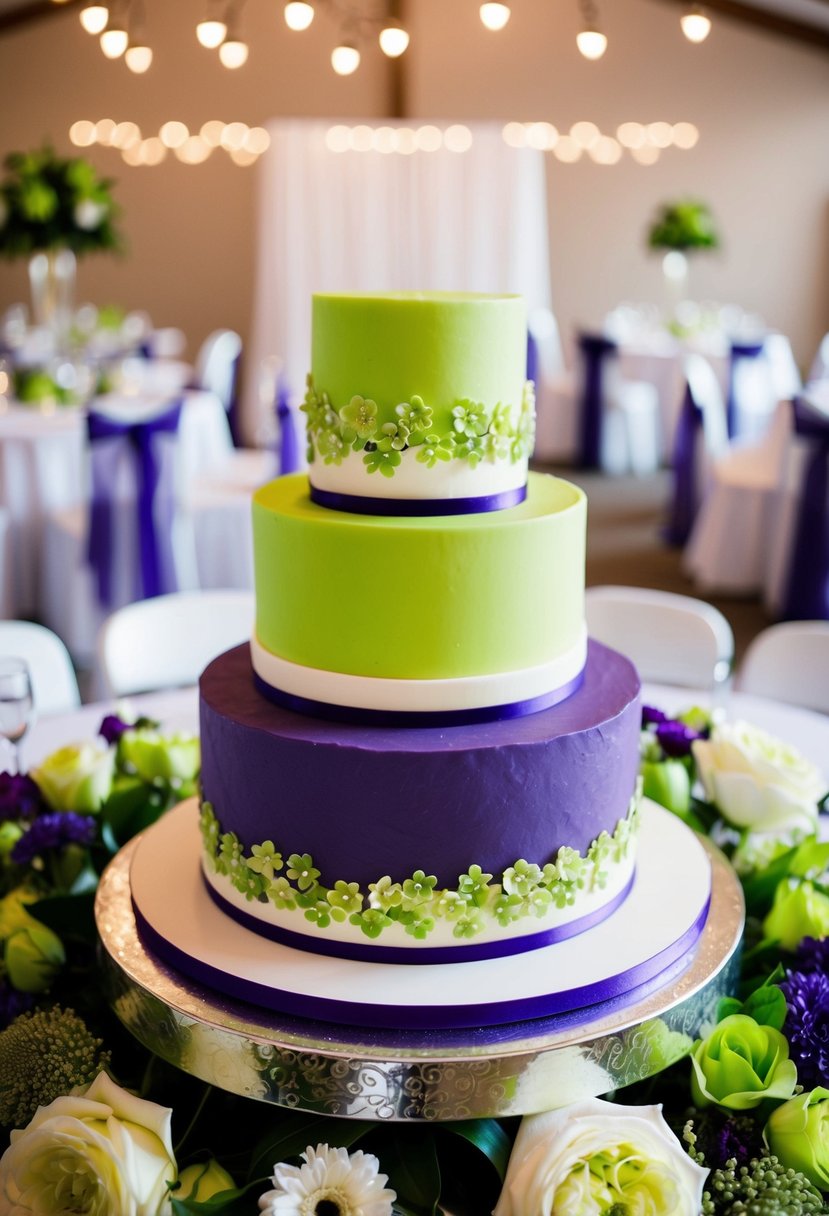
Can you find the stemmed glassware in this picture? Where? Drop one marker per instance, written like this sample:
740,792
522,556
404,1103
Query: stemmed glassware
16,703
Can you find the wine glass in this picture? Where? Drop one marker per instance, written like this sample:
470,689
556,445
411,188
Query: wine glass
16,703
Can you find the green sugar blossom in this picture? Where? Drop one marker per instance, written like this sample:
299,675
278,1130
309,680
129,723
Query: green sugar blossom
385,894
230,851
470,419
508,909
281,894
451,904
265,859
360,416
418,889
472,450
252,885
420,929
372,921
332,447
301,870
475,885
320,913
385,462
415,414
469,925
345,898
435,448
522,878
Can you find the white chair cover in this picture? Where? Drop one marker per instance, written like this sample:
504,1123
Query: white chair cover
54,684
789,662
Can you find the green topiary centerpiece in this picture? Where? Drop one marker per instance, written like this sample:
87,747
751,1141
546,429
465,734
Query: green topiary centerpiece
683,226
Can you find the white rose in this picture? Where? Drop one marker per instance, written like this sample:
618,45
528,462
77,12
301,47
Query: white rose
77,778
105,1152
757,781
582,1159
89,215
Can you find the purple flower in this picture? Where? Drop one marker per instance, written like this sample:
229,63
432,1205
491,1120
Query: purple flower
807,1025
734,1139
675,738
812,955
13,1003
20,798
113,727
52,831
651,716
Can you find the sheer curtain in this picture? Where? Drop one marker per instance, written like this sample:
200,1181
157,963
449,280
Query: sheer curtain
372,221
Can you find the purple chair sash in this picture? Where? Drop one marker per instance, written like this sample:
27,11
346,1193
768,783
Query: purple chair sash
595,349
685,499
807,590
108,436
738,352
532,357
290,460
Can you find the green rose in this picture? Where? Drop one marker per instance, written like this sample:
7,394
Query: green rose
31,952
77,778
798,1132
202,1182
798,911
668,783
740,1063
157,757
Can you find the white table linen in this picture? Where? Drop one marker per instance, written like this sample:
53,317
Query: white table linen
43,469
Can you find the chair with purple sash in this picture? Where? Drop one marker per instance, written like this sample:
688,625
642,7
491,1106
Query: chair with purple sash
807,584
217,371
752,393
556,398
700,437
289,454
618,418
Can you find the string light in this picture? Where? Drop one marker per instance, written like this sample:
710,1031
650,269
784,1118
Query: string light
393,39
495,16
590,40
696,24
298,15
345,59
94,17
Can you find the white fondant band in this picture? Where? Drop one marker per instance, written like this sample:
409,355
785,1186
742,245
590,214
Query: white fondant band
414,479
417,696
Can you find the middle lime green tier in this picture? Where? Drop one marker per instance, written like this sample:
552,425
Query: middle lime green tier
419,598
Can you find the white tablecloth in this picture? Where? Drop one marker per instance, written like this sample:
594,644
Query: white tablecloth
43,469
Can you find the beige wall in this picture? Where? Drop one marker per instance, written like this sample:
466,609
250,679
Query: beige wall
761,104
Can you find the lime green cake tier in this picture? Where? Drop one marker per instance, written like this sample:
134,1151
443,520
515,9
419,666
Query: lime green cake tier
423,598
415,395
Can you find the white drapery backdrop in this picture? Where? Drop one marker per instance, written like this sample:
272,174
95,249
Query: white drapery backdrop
373,221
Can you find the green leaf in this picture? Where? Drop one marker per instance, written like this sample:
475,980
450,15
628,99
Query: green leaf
767,1005
132,806
488,1136
295,1132
228,1203
409,1157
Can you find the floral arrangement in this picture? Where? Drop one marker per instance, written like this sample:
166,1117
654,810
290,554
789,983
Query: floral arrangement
477,433
738,1127
685,225
48,202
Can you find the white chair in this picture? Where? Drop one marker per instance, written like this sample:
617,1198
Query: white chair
700,438
820,364
629,422
556,396
216,365
166,343
789,662
166,642
54,684
671,639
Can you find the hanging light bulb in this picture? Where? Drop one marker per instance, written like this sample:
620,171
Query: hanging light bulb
393,39
234,53
345,59
211,33
696,24
298,15
114,40
94,17
138,58
495,16
590,40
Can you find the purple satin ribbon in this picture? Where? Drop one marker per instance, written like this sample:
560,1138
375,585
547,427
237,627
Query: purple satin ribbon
532,357
624,986
290,459
233,402
154,502
738,352
358,505
685,497
473,952
594,349
404,717
807,589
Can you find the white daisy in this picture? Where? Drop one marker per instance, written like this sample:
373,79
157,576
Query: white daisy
332,1182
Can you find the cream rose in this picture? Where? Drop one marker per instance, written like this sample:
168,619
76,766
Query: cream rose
76,778
757,781
104,1153
582,1159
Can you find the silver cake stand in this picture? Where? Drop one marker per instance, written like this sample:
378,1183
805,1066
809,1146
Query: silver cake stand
414,1075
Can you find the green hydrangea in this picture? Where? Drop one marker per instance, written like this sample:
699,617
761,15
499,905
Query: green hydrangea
43,1055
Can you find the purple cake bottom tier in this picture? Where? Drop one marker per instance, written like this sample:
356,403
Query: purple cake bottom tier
406,842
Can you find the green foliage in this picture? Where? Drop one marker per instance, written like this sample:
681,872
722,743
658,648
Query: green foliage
683,225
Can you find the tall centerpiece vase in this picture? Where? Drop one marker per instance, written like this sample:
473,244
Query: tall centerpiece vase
52,275
675,272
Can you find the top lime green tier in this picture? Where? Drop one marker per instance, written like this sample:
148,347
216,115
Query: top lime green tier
442,347
426,597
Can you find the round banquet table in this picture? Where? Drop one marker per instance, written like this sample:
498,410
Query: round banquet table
43,468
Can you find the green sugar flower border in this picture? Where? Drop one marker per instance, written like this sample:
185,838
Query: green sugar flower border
291,884
478,433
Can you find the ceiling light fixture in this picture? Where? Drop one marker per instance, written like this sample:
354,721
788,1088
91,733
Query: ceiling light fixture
495,16
138,57
211,31
234,53
393,39
345,59
696,24
114,40
298,15
590,40
94,17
